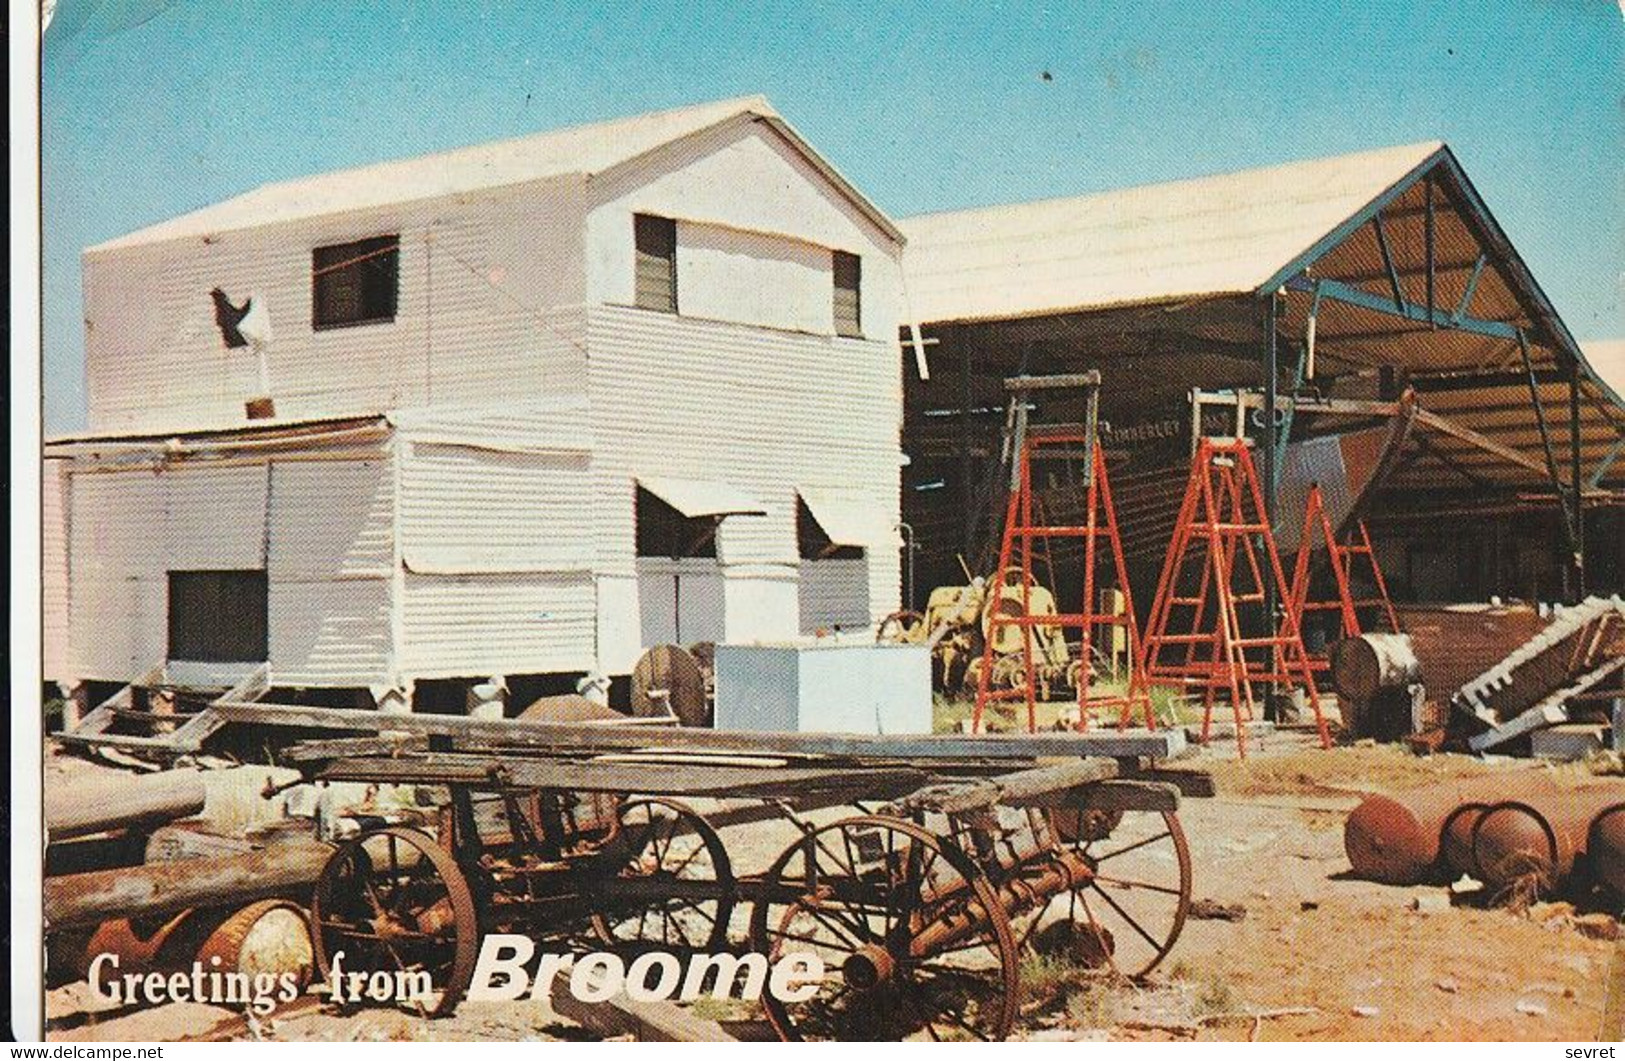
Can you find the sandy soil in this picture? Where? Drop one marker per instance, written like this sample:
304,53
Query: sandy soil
1317,954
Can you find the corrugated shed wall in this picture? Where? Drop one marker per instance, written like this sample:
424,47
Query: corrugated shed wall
330,566
495,523
326,548
476,276
765,411
134,526
459,626
54,514
749,180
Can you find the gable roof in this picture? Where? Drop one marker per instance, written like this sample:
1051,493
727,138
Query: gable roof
576,151
1227,234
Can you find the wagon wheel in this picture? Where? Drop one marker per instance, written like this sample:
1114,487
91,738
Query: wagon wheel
1129,914
912,936
393,901
678,888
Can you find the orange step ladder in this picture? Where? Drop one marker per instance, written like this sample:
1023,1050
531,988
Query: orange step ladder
1025,533
1203,638
1378,609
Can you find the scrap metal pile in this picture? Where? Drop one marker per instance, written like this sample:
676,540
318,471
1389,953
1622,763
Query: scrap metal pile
1548,679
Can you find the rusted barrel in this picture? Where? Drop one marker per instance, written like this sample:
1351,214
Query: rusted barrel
1605,849
1456,842
1532,844
271,935
1396,839
1362,667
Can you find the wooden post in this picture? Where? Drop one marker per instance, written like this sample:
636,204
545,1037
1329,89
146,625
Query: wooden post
166,888
82,810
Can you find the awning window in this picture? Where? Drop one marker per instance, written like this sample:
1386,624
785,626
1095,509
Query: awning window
678,518
830,526
695,498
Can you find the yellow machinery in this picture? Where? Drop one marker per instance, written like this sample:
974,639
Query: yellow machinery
955,625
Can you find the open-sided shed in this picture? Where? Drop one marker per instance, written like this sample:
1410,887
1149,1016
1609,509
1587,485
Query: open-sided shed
1345,290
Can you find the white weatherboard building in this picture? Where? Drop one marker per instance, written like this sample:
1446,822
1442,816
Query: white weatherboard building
525,408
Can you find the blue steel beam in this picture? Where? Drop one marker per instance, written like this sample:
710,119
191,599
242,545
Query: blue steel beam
1336,236
1388,260
1472,285
1348,294
1606,463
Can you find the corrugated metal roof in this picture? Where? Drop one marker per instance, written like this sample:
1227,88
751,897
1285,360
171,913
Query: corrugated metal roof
1207,236
577,151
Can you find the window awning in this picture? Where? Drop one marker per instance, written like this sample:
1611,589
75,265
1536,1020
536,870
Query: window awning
847,521
696,498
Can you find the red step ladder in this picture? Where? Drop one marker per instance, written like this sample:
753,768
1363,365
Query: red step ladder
1379,609
1201,638
1025,534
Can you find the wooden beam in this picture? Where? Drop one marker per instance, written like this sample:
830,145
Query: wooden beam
1040,786
569,737
1465,434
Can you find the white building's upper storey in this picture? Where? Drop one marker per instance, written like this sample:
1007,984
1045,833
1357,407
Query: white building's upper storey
472,276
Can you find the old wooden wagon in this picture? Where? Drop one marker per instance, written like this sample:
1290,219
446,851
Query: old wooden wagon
960,854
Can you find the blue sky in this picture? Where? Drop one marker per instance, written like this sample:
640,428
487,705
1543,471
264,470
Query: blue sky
154,107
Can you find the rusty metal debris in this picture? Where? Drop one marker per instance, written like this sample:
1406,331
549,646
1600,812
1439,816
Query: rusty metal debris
1522,834
1533,685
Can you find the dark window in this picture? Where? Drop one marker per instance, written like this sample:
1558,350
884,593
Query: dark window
656,273
219,616
355,283
814,543
664,531
848,299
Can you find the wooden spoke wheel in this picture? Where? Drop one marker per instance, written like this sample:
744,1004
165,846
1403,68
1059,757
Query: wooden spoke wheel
393,902
914,942
1128,913
674,891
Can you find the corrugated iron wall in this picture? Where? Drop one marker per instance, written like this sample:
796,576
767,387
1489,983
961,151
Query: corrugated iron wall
764,411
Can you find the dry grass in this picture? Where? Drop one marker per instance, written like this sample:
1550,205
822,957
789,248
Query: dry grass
1342,771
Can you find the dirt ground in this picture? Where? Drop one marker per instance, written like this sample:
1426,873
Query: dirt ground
1314,955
